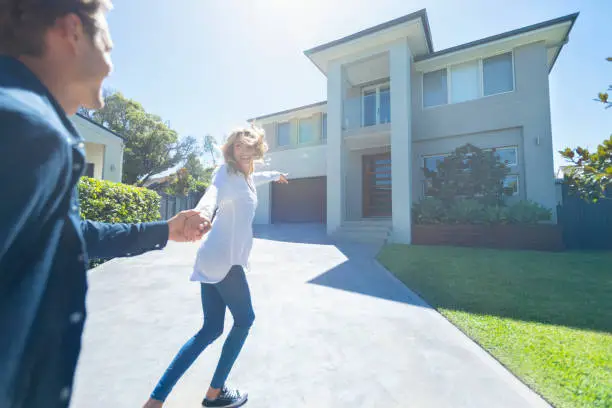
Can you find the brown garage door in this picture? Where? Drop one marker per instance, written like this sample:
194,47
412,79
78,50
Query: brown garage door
302,200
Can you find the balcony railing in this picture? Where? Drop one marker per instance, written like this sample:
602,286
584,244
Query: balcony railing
365,111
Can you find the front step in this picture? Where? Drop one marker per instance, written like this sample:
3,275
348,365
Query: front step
365,231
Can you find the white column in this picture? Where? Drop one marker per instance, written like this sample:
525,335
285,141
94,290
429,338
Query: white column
401,141
335,179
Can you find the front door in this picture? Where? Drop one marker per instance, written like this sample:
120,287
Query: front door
377,185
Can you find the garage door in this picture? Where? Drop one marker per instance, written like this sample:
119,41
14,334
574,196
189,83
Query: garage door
302,200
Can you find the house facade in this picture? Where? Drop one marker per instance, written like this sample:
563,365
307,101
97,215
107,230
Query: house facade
395,106
103,149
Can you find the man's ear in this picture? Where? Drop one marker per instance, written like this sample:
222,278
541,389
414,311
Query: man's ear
70,30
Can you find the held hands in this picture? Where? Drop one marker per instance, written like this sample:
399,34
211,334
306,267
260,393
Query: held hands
187,226
283,179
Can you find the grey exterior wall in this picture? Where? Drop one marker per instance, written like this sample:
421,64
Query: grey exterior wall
526,111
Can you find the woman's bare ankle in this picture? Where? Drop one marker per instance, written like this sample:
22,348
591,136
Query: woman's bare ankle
212,393
153,403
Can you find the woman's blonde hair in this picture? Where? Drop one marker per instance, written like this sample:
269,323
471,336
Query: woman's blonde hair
254,137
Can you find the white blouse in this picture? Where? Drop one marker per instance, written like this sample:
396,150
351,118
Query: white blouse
230,239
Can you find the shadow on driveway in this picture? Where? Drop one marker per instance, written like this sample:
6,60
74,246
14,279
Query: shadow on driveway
359,273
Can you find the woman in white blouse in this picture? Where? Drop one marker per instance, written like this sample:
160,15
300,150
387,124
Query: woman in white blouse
220,266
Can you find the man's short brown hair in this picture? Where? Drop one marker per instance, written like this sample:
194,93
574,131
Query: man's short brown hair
23,23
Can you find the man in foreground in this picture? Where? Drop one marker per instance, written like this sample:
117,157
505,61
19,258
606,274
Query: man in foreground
54,55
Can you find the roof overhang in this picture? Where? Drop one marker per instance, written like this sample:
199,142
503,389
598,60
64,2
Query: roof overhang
554,33
414,27
81,117
305,110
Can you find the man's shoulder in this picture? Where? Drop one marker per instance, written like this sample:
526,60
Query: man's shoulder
28,114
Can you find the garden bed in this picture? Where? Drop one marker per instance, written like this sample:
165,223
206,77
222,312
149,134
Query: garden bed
540,237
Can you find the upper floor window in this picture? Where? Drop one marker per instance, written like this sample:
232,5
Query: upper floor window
497,74
435,90
283,134
468,80
376,104
324,127
465,81
306,130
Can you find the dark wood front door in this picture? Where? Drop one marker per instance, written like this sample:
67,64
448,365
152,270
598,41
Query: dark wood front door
377,185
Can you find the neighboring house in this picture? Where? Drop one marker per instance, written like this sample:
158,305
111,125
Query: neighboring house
395,105
103,149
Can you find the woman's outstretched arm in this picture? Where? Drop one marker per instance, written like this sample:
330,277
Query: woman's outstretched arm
263,177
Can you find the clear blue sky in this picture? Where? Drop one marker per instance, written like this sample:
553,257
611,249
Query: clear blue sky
209,65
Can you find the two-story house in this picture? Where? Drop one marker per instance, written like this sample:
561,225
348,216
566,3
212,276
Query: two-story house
395,106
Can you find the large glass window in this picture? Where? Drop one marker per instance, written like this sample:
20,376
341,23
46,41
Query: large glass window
469,80
283,131
497,74
306,130
465,81
435,90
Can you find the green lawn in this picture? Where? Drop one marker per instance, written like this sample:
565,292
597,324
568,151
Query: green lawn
545,316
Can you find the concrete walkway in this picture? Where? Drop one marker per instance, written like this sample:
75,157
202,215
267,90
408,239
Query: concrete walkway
333,329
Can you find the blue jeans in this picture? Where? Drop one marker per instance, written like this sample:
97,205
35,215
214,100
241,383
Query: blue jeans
233,292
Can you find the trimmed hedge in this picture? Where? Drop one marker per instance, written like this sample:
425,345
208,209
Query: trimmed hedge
106,201
471,211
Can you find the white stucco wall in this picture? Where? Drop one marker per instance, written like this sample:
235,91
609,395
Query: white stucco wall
299,163
94,153
111,166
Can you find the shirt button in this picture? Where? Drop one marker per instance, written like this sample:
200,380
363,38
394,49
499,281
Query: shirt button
77,166
81,145
65,394
75,208
157,245
81,258
128,254
76,317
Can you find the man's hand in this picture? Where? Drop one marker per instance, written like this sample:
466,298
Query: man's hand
187,226
282,179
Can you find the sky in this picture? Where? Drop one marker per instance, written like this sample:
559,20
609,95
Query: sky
207,66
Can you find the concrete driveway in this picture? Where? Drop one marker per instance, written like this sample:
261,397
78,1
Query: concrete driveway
333,329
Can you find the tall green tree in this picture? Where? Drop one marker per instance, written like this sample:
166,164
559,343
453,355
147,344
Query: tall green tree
604,96
209,147
151,146
468,172
194,166
591,175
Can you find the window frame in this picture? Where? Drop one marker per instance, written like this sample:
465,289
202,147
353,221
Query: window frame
324,127
278,125
516,154
518,184
423,88
449,78
377,88
312,130
448,67
482,73
423,158
513,172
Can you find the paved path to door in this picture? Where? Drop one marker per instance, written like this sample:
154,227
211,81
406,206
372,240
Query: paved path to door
333,329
